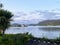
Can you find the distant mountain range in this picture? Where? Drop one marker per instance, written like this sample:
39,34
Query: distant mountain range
50,22
55,22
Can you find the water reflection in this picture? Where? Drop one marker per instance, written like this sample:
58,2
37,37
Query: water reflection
50,28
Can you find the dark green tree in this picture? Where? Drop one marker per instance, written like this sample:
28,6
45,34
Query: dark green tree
1,5
5,18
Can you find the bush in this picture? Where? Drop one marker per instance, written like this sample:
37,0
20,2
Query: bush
15,39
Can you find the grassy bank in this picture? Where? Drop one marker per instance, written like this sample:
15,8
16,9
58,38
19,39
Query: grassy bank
15,39
22,39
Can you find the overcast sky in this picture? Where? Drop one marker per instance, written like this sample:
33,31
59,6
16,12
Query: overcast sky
33,10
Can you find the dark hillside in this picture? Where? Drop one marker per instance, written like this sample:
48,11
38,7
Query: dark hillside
50,22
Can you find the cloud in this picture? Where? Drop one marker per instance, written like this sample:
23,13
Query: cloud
50,14
18,14
37,15
29,17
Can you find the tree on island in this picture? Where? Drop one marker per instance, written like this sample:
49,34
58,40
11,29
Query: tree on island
5,18
1,5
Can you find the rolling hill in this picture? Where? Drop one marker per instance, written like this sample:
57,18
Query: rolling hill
49,22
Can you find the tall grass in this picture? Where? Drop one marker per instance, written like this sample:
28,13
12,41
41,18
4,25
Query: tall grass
22,39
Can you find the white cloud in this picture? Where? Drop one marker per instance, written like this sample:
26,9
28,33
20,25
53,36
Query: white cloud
29,17
37,15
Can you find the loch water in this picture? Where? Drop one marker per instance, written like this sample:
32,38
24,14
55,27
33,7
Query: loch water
37,31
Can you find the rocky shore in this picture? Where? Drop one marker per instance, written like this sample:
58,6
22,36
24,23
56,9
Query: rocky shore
38,42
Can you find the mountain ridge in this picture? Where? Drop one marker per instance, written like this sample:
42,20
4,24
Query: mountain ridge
49,22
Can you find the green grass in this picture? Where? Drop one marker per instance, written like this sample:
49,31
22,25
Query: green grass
15,39
22,39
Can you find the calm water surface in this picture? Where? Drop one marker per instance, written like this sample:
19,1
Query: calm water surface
36,31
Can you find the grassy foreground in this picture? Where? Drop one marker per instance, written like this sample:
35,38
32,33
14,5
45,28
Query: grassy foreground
15,39
22,39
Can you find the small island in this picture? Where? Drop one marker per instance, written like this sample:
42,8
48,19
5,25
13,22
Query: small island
18,25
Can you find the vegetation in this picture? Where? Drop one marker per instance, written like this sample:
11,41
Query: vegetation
23,39
1,5
15,39
5,18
